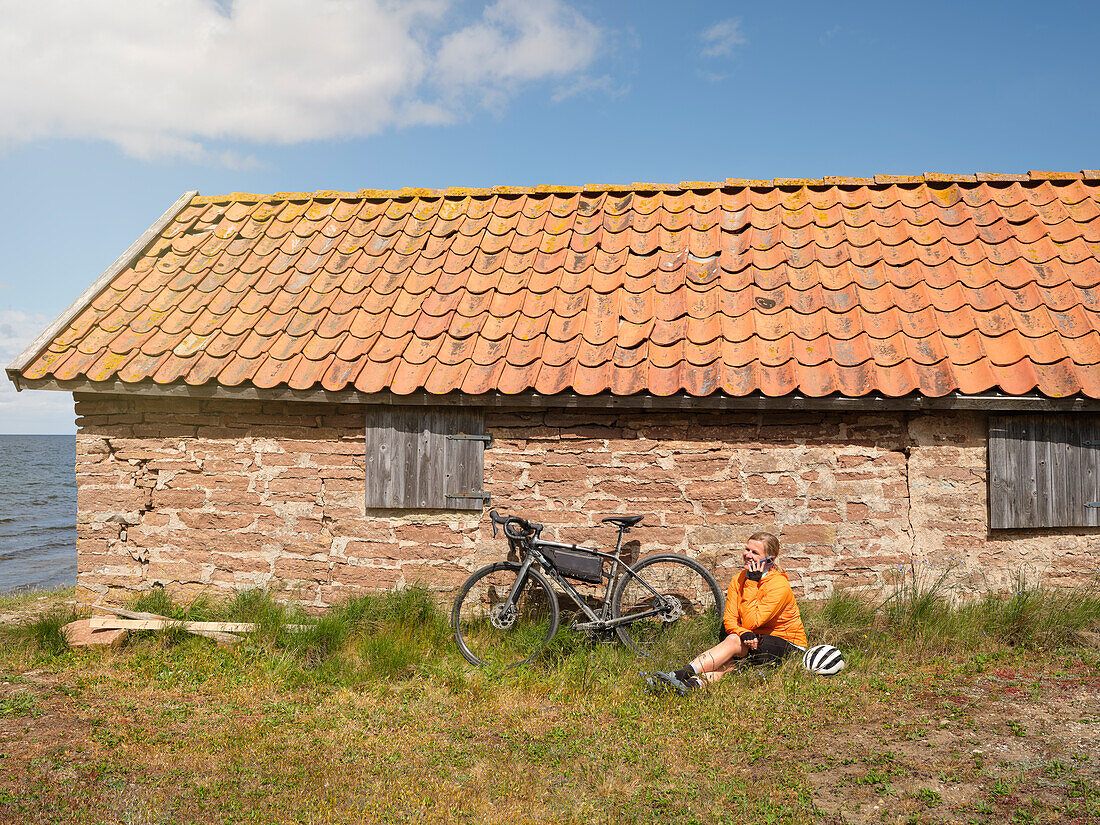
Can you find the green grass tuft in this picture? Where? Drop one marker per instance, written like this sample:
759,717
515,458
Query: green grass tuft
918,619
157,601
42,635
843,619
200,609
1037,617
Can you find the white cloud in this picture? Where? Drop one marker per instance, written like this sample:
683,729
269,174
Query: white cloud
586,86
517,40
165,79
721,38
28,412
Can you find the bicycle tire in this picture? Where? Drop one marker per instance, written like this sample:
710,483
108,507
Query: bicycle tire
504,641
690,624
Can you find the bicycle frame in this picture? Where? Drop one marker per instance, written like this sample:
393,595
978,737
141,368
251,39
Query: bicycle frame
602,621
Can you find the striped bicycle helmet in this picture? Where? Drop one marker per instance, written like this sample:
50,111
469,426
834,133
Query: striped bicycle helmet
825,660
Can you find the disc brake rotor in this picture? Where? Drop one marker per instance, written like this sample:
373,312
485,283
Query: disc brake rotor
672,609
502,619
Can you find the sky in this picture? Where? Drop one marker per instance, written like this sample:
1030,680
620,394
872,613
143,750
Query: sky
113,109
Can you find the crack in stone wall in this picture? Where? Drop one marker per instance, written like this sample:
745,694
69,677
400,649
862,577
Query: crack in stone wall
907,469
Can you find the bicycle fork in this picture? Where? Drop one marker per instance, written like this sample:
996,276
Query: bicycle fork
521,579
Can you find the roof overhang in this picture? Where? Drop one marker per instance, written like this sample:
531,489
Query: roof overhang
994,402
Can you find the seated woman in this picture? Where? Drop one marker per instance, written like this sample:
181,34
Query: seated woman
761,619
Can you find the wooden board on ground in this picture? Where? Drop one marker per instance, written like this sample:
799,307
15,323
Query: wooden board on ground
151,622
113,622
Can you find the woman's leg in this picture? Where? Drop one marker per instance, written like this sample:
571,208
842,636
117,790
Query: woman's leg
710,665
719,658
714,675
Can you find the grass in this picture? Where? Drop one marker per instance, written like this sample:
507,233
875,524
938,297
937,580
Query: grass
20,598
945,713
42,634
919,616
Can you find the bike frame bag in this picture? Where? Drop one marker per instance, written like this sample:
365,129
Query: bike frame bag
581,566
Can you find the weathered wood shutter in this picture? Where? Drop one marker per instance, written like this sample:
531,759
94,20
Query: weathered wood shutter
1044,470
425,457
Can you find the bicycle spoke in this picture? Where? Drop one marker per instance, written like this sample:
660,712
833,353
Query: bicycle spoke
684,616
490,631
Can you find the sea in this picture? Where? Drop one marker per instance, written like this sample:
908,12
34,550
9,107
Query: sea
37,512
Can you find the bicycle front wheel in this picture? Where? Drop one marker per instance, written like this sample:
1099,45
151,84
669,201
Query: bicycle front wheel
684,607
491,632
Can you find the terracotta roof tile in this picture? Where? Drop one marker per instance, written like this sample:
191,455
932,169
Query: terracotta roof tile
930,283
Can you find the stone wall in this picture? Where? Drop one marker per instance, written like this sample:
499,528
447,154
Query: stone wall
211,496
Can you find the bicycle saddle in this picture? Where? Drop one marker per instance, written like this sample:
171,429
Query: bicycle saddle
623,521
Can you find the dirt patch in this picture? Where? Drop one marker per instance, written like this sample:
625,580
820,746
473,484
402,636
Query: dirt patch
999,747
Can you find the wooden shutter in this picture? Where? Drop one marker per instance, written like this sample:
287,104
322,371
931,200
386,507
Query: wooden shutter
425,457
1044,470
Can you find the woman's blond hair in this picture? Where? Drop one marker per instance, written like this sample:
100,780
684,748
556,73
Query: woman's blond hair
771,545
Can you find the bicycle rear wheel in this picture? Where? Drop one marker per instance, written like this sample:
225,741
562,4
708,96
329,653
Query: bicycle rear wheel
689,609
489,634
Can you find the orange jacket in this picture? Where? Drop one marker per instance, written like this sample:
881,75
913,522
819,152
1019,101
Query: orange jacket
764,607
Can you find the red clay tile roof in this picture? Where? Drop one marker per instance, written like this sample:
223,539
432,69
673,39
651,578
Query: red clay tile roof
899,285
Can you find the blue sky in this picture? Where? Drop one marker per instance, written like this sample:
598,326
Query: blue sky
113,108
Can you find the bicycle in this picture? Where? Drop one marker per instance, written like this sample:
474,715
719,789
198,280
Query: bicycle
665,607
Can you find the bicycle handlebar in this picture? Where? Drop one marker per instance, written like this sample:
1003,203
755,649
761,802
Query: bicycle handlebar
524,529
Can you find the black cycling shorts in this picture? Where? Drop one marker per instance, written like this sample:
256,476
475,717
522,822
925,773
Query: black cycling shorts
770,650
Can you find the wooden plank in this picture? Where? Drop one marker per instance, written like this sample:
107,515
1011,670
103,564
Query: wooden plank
1062,441
393,475
1086,471
92,292
1045,431
101,623
447,422
1019,466
413,452
117,623
1002,486
120,611
605,401
375,457
387,440
465,460
1027,502
430,457
1012,470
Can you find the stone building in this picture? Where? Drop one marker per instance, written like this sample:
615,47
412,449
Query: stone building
321,393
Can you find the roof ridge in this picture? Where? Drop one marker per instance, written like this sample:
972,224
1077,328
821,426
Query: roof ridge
1033,176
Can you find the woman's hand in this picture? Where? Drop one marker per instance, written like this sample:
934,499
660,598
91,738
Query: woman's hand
755,569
